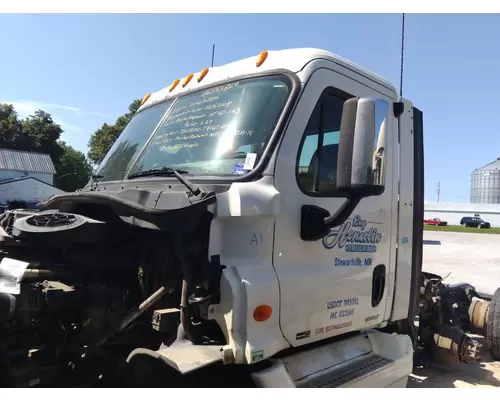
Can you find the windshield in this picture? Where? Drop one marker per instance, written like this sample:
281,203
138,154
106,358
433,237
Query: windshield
222,130
127,147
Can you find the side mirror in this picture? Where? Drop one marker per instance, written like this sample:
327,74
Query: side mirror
361,161
360,166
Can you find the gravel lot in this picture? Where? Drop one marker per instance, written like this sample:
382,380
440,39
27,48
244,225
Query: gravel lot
472,258
468,257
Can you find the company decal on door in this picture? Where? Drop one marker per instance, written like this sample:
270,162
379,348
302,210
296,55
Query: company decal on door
356,235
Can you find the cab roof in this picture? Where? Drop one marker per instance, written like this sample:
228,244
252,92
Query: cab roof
293,60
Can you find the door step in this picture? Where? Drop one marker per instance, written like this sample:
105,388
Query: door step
346,373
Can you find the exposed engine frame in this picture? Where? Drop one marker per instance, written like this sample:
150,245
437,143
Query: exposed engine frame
449,314
92,277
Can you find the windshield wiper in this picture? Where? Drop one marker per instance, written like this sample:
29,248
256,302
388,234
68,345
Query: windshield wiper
167,171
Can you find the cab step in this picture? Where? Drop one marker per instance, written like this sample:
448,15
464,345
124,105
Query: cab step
371,359
348,373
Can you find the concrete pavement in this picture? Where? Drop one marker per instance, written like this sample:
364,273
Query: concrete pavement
467,257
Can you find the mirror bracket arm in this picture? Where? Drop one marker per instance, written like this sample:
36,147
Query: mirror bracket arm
342,213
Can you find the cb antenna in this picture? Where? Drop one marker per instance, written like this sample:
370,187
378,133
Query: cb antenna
402,55
213,54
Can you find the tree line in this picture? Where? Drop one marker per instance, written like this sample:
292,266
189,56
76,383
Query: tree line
39,133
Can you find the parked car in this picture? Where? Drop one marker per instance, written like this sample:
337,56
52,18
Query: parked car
435,221
474,222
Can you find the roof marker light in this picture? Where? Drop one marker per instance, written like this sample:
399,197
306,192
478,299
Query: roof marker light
145,98
202,74
173,85
187,80
262,58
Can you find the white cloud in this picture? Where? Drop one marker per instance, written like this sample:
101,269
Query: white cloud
67,127
25,108
29,107
69,108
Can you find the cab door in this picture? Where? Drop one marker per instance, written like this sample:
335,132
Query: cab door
339,283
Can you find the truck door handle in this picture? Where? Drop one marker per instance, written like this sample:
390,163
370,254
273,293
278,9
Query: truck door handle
378,285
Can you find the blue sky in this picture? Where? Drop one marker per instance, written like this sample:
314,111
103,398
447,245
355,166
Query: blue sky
86,69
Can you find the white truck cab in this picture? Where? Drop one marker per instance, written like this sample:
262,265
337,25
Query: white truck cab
272,210
313,281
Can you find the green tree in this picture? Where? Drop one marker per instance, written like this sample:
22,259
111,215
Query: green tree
73,169
39,132
103,138
42,134
11,135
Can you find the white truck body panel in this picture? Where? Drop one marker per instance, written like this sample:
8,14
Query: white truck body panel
405,221
249,279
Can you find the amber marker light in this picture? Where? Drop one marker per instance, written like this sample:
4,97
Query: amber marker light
203,73
187,80
262,58
174,85
262,313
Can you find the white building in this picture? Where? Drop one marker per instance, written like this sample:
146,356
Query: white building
22,164
453,212
26,176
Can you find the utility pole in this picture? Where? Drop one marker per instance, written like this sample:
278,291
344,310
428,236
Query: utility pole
438,190
213,54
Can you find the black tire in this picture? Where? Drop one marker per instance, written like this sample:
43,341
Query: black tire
493,326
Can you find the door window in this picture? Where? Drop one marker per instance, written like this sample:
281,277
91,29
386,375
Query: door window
316,167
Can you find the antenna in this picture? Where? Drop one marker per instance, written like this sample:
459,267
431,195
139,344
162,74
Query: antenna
402,56
213,54
438,190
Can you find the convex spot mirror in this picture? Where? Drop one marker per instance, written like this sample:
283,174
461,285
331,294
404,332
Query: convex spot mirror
362,147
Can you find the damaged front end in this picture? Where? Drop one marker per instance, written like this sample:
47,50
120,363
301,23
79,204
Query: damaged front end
450,316
96,275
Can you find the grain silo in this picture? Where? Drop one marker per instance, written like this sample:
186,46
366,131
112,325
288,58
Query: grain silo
485,184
